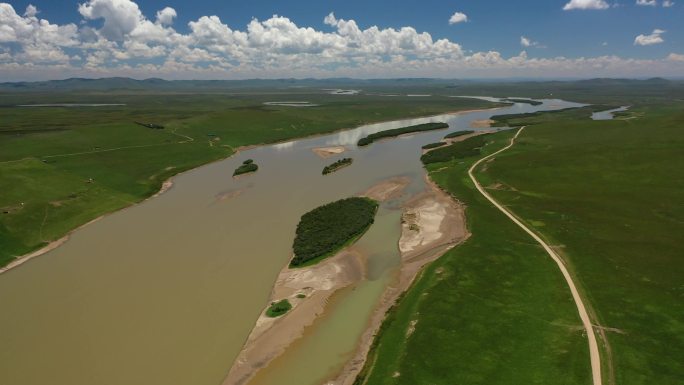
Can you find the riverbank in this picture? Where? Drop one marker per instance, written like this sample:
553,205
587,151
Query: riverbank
432,223
166,186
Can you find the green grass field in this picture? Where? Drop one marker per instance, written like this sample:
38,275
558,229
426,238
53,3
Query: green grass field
62,167
495,310
609,193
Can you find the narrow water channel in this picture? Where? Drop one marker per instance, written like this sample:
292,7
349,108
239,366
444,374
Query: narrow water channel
608,114
167,291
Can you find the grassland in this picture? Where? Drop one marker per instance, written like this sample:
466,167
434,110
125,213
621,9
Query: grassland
459,150
62,167
607,192
495,311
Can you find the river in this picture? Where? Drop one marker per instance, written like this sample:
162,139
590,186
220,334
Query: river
167,291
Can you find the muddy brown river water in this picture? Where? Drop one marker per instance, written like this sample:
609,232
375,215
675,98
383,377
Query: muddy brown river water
167,291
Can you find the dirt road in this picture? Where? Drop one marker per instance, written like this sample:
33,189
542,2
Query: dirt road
581,309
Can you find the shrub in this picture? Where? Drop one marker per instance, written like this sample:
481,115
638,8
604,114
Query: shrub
278,308
245,168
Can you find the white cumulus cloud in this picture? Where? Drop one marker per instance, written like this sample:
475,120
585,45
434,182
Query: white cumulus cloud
116,39
120,16
650,3
654,38
525,42
668,3
166,16
675,57
38,39
458,17
586,4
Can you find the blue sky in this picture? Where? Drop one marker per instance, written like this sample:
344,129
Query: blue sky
604,32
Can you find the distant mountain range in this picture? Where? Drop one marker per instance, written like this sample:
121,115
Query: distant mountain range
122,83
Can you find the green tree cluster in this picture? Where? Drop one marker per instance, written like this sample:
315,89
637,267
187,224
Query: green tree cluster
278,308
337,165
458,133
400,131
433,145
246,167
326,229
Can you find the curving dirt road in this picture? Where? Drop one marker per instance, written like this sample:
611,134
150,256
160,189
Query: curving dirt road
581,309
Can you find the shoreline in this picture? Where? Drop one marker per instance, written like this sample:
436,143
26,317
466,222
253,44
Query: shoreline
437,224
450,141
166,186
414,260
168,183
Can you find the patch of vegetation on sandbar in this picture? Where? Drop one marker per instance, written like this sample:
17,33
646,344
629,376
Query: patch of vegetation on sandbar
459,150
527,101
430,146
400,131
540,117
326,229
246,167
458,133
278,308
344,162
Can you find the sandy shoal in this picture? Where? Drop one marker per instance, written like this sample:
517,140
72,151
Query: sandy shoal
327,152
391,188
432,223
482,123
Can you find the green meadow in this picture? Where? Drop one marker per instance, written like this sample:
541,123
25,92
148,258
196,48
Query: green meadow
495,310
609,195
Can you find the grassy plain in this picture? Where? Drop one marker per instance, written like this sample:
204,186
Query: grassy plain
494,310
62,167
608,195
